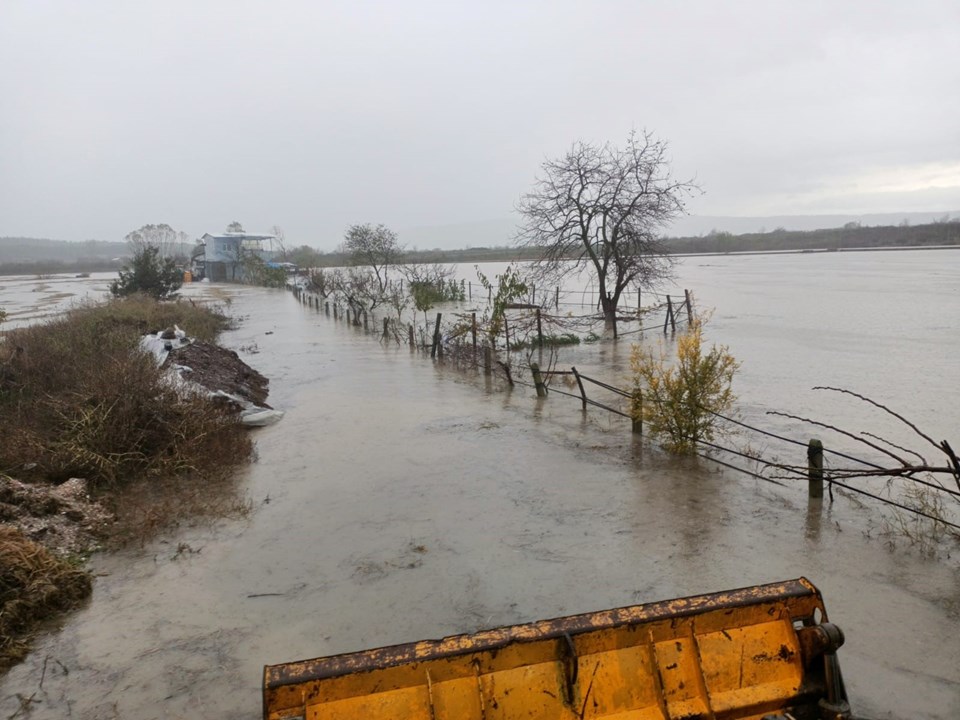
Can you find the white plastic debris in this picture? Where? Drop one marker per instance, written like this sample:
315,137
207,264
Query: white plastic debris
260,417
158,346
251,415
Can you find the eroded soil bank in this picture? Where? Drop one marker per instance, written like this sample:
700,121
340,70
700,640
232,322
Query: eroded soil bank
89,421
400,500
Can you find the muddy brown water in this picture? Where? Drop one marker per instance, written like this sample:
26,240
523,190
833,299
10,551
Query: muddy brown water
401,500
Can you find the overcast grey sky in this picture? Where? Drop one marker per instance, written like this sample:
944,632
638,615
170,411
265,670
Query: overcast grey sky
316,115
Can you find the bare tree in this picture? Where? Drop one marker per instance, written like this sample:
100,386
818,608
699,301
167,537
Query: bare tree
279,242
234,227
375,247
600,208
162,237
429,284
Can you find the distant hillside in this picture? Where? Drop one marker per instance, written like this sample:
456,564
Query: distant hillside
691,225
27,250
499,232
26,256
850,236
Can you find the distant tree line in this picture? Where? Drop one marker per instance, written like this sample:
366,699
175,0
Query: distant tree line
850,236
25,256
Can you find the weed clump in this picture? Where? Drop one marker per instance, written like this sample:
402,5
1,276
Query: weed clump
34,584
81,399
681,400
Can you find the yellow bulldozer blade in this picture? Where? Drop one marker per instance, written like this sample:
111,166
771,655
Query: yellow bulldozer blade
758,652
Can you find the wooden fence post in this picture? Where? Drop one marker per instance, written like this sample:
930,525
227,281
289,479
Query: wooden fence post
636,411
365,320
386,328
436,337
506,331
326,307
556,301
539,329
669,316
334,311
583,394
473,332
487,359
538,380
470,291
689,309
410,335
815,467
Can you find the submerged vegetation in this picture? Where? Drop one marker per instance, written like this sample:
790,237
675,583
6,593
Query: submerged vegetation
551,340
34,583
81,399
681,399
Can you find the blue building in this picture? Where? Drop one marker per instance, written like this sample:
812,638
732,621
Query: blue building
220,257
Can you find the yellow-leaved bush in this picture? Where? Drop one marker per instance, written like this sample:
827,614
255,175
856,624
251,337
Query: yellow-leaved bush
677,398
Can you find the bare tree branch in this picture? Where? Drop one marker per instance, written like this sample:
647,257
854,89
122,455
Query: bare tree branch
599,208
899,417
842,432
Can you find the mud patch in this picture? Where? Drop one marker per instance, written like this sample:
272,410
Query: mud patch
369,569
219,370
62,517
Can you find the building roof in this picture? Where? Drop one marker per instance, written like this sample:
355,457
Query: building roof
236,236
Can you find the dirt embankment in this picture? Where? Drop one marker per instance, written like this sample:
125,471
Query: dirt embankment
43,532
220,371
88,416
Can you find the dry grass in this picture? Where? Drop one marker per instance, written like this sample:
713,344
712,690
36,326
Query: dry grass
34,584
929,533
144,508
142,314
84,401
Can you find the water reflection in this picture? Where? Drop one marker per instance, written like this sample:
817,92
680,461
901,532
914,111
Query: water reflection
814,518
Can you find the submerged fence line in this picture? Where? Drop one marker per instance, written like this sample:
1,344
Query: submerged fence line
815,474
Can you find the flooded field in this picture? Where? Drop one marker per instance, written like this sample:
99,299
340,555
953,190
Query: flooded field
401,499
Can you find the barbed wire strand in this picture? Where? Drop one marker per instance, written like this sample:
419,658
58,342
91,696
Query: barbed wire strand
830,479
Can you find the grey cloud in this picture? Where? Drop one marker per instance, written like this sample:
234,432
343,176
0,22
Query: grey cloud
317,115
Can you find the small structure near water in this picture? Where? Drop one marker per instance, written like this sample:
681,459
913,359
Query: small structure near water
220,257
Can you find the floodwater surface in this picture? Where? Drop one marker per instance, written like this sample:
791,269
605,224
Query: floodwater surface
401,499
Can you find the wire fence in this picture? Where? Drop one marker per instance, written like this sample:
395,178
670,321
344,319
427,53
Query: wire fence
471,355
